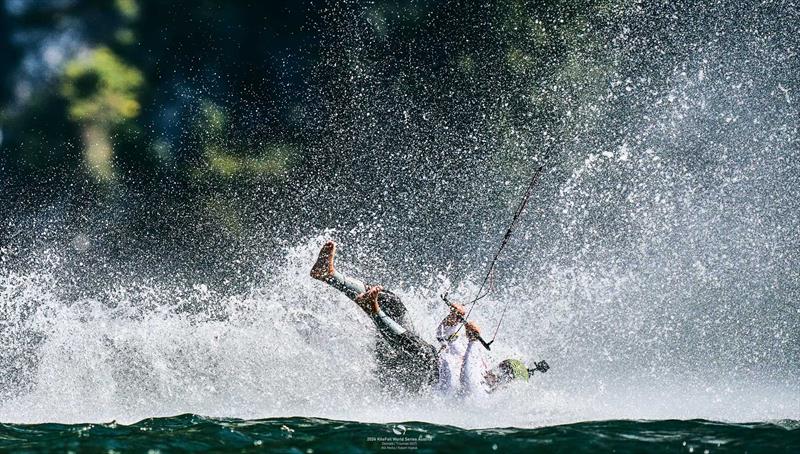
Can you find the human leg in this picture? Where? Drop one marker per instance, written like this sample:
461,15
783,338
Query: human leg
325,271
403,358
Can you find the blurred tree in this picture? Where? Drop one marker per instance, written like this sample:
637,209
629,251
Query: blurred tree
228,114
101,93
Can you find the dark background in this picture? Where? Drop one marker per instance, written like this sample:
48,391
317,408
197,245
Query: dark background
259,122
173,145
228,130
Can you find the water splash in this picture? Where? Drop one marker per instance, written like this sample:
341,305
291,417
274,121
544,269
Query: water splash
292,346
656,271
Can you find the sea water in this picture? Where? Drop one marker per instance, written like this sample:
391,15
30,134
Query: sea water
656,268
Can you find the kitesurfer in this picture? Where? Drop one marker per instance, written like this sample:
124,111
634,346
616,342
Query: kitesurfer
407,362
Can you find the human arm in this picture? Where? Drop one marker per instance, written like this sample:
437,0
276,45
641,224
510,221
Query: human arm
447,331
473,370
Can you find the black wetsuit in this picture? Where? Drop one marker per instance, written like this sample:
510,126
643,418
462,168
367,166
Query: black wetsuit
405,361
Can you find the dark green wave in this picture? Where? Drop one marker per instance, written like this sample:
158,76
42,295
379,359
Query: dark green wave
188,433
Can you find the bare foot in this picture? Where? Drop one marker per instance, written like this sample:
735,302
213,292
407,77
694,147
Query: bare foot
369,299
323,268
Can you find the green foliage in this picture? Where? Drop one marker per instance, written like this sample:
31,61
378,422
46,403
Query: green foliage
101,88
129,9
125,36
230,159
212,122
273,160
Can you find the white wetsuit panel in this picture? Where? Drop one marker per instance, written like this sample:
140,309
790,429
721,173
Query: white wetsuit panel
473,371
451,357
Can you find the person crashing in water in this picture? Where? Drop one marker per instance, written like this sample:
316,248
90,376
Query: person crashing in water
404,360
